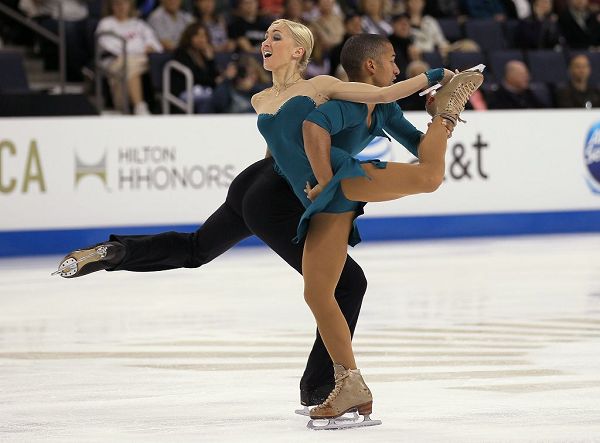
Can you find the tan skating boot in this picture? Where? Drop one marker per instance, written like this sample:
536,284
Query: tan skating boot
350,393
451,98
94,258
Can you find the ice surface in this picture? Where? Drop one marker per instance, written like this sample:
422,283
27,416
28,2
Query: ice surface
478,340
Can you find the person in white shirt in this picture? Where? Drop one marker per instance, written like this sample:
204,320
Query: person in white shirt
169,22
426,30
140,41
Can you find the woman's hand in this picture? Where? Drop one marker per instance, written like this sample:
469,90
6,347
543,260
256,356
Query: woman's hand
448,74
313,193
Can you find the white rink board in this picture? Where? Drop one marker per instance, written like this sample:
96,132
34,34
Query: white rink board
531,161
140,155
127,171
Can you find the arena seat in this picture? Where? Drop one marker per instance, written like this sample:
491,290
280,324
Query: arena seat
547,66
13,78
488,34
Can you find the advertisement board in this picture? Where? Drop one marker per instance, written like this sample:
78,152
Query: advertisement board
536,169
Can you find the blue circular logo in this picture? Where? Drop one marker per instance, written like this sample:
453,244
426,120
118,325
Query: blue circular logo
591,154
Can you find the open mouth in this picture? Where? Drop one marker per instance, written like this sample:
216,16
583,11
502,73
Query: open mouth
267,54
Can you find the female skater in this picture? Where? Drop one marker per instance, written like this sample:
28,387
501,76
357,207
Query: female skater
339,194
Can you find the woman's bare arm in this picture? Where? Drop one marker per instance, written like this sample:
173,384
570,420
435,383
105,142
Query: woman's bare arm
334,88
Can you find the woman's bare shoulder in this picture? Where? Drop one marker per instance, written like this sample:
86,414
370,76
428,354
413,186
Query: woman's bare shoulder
257,99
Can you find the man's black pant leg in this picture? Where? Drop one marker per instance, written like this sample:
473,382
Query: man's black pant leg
221,231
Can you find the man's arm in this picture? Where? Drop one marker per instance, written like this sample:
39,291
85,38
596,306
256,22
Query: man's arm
403,131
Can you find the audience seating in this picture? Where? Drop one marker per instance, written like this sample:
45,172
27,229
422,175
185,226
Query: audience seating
13,78
547,66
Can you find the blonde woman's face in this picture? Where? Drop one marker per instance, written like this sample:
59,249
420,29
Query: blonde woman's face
278,48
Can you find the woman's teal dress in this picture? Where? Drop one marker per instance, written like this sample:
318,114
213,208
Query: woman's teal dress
283,133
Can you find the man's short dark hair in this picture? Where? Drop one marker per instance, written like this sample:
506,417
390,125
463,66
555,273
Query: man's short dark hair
358,49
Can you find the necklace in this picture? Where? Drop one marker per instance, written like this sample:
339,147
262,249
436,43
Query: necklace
278,89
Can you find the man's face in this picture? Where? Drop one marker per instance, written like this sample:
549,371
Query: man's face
543,6
386,69
517,76
402,27
354,26
172,5
248,7
580,69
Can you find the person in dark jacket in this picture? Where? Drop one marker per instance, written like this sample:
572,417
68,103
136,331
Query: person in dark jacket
579,93
579,25
197,53
540,30
514,92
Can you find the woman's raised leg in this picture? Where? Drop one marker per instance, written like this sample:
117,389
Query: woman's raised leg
401,179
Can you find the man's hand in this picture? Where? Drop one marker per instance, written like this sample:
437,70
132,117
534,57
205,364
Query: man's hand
449,127
313,193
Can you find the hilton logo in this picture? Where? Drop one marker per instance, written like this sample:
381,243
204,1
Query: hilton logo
97,169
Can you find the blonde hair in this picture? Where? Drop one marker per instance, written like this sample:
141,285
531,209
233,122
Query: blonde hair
302,36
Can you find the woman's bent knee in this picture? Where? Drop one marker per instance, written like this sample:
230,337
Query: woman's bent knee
430,182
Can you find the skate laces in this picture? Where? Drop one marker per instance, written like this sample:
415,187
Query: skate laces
458,99
336,390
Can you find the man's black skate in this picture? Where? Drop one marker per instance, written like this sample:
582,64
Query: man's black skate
95,258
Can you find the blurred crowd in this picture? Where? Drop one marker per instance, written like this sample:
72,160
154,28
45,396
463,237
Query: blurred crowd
541,53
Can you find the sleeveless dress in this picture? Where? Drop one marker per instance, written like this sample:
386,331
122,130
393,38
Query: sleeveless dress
283,134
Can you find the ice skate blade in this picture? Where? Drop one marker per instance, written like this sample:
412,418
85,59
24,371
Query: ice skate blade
349,416
70,266
334,424
430,89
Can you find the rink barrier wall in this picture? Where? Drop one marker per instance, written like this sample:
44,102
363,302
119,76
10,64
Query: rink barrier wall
23,243
68,182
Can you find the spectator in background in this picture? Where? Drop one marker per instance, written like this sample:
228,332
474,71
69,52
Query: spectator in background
75,14
414,102
247,29
196,52
140,41
310,11
514,91
329,26
540,30
485,9
242,81
293,11
402,41
426,30
168,22
445,9
319,62
271,8
579,26
352,26
215,24
579,93
516,9
373,21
